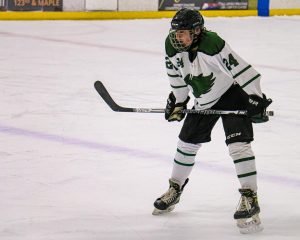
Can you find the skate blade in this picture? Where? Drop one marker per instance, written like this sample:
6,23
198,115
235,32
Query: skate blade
160,212
251,229
250,225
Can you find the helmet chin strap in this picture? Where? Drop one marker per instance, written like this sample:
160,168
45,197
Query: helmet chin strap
196,38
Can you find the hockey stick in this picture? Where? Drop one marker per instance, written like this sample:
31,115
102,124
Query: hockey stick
117,108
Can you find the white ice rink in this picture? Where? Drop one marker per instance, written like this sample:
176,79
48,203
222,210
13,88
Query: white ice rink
72,169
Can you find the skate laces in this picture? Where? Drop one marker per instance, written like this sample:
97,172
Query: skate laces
170,195
244,203
246,200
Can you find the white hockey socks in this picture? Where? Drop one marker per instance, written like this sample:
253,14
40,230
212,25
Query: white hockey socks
244,162
184,161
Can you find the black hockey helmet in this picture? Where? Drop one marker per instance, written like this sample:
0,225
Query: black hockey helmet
187,19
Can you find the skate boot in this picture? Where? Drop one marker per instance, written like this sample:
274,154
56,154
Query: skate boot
247,213
166,203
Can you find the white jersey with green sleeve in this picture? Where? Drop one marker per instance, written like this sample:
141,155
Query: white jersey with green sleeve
210,72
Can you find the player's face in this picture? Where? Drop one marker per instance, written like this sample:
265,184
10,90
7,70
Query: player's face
184,37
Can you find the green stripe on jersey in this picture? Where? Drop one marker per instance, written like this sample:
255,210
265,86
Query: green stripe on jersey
246,174
182,86
242,71
174,76
244,159
251,80
184,164
185,154
209,102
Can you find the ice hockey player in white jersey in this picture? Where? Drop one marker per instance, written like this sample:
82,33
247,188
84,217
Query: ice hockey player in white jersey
200,62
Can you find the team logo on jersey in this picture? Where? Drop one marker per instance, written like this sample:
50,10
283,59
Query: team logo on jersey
200,84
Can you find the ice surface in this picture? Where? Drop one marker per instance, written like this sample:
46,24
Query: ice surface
73,169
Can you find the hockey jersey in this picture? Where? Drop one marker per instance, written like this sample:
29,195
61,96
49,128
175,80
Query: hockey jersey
210,73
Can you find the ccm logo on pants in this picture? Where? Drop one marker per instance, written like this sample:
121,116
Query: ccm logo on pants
234,135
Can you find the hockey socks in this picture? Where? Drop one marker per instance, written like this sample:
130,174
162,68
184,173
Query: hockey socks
244,162
184,161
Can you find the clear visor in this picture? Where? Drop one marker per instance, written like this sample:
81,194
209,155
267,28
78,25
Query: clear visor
181,40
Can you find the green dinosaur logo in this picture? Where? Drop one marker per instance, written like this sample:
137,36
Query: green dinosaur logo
200,84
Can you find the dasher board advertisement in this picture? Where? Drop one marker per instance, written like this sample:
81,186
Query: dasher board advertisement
34,5
202,4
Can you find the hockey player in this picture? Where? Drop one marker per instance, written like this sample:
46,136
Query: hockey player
201,62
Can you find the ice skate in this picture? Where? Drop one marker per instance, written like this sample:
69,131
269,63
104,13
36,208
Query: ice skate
166,203
247,213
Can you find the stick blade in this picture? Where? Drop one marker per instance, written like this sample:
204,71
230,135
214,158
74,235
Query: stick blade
108,99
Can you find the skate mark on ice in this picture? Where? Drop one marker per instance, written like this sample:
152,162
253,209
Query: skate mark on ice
118,48
283,180
77,43
77,142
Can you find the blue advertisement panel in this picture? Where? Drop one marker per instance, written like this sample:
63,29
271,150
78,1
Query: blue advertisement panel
202,4
34,5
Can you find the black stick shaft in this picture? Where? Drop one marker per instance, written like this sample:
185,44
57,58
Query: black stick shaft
117,108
